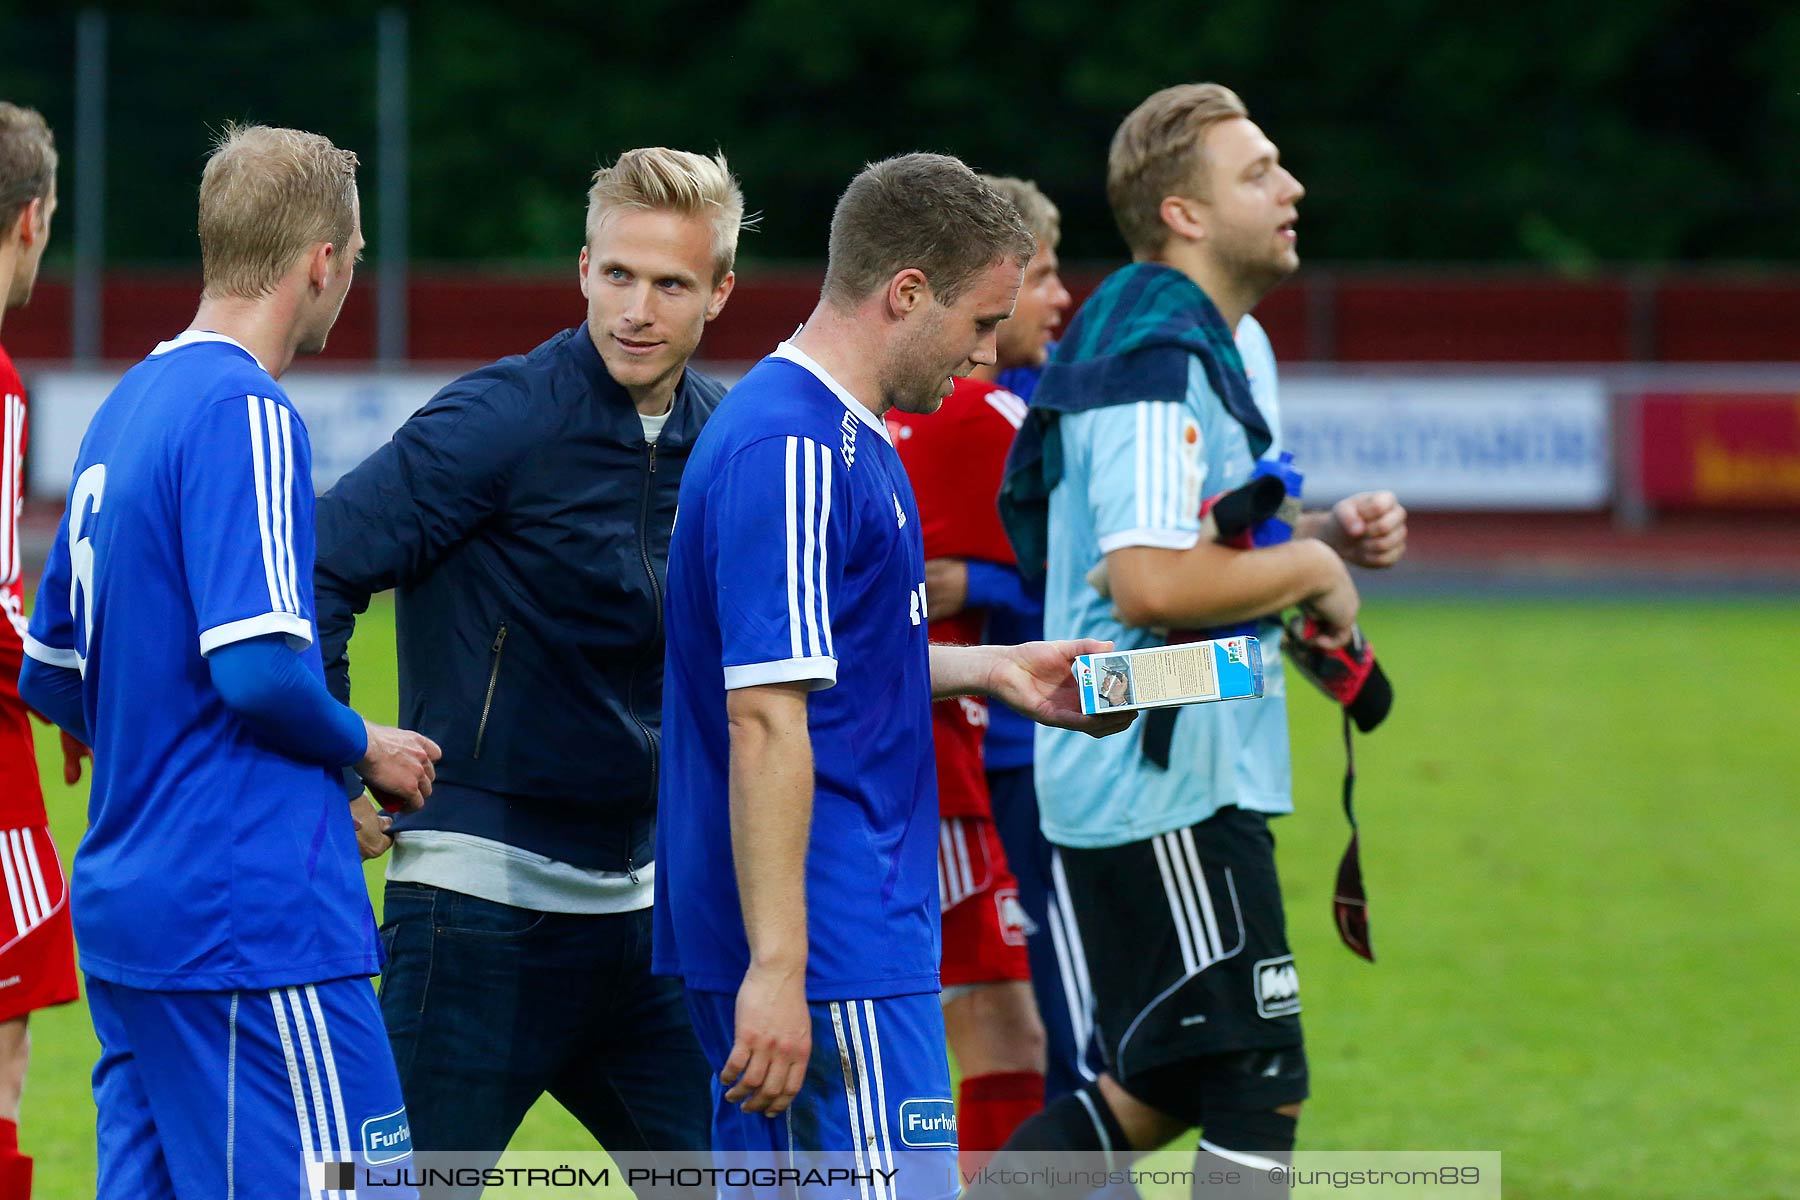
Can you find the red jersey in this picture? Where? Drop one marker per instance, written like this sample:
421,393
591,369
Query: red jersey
955,458
21,797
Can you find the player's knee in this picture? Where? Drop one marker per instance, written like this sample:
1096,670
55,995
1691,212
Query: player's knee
995,1027
1010,1010
15,1055
1249,1148
1243,1134
1198,1090
1144,1122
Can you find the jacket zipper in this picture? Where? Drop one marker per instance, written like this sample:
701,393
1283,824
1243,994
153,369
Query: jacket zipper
493,679
656,597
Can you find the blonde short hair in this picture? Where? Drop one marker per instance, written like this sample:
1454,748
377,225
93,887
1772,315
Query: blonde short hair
658,179
928,212
1160,151
27,160
1041,216
266,196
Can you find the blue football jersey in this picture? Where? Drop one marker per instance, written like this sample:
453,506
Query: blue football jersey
211,861
796,557
1134,475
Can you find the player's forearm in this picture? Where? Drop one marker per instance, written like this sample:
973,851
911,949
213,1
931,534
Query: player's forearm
55,692
1210,584
771,819
962,671
1314,524
267,687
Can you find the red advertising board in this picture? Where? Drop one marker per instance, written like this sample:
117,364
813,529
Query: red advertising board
1721,450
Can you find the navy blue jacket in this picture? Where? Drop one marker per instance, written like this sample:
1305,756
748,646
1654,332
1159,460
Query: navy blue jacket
525,523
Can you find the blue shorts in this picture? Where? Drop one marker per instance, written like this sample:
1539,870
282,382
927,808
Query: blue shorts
246,1094
876,1100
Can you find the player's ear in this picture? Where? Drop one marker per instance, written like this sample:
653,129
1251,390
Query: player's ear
581,269
319,261
907,292
34,222
1185,218
720,294
26,227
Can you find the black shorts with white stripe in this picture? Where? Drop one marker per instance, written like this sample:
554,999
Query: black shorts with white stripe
1185,944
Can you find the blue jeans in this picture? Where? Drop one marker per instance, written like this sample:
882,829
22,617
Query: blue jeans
490,1006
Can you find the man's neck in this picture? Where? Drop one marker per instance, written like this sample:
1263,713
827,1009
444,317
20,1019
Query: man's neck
656,399
259,326
837,341
1232,296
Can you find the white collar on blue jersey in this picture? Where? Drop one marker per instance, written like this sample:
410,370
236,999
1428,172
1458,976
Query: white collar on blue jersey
189,337
801,358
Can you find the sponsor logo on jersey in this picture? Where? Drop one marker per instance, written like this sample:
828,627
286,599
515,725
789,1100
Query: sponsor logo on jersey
386,1138
1277,986
899,513
928,1122
849,446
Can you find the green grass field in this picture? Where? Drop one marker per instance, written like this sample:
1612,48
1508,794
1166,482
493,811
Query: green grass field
1583,885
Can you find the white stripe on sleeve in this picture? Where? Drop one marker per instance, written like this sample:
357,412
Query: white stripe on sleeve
259,460
50,656
824,524
290,571
808,495
793,548
272,437
808,572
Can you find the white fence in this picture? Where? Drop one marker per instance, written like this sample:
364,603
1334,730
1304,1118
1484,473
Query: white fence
1443,438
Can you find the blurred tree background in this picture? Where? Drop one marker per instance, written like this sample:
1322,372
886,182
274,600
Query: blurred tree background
1562,135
